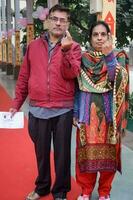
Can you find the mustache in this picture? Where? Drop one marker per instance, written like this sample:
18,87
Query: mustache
57,28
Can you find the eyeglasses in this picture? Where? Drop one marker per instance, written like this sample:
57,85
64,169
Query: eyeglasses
54,19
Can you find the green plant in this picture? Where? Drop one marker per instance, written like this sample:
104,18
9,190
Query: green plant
130,110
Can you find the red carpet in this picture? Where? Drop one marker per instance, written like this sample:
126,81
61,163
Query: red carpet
17,161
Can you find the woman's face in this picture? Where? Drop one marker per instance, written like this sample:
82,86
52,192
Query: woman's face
99,37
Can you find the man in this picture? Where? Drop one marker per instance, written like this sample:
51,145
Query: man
47,75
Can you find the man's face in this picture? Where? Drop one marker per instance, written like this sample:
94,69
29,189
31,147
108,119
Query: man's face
58,23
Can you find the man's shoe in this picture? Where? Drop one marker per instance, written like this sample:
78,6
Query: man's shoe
104,198
33,196
83,197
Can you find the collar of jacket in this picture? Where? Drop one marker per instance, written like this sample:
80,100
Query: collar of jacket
45,36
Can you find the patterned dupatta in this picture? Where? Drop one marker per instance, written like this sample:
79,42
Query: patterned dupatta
94,79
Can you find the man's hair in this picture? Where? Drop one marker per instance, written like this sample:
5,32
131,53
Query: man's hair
60,8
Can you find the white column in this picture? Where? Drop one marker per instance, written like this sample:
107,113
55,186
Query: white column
0,19
17,39
9,39
0,36
30,25
51,3
17,12
4,56
29,8
8,9
3,15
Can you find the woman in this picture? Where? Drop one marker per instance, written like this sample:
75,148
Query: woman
100,113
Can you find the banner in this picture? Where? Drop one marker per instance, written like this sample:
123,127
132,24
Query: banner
30,33
109,15
0,51
17,48
4,52
9,50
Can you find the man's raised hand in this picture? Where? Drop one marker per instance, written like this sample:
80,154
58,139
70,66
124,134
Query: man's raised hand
66,41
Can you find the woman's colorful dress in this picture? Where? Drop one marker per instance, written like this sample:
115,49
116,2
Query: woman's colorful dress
101,105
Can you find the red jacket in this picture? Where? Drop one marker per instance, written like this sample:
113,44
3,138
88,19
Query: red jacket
48,83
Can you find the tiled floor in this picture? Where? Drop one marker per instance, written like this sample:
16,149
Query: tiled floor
123,184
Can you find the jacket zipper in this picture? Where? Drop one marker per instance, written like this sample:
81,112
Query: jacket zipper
49,61
48,80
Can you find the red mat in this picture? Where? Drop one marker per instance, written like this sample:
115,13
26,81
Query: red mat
17,161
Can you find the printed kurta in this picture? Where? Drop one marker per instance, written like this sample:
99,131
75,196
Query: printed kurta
101,106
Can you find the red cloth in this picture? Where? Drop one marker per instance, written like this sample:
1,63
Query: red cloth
87,181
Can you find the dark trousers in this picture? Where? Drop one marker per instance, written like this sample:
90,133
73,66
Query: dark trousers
41,132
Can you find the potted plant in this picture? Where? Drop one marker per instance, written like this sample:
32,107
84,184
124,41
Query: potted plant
130,113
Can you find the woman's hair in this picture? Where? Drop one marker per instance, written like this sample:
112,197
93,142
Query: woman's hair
98,23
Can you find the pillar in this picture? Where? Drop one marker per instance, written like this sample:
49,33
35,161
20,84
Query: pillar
0,38
9,69
17,40
30,25
4,40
